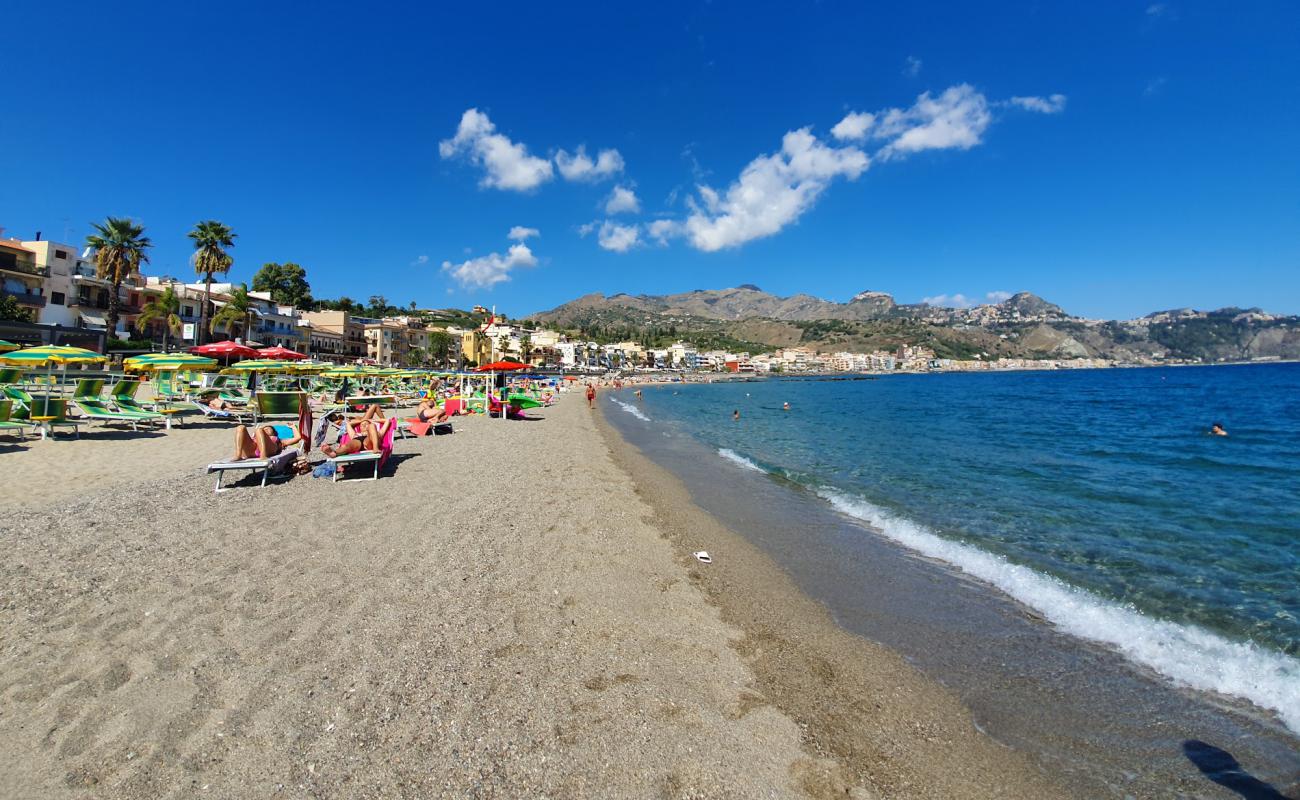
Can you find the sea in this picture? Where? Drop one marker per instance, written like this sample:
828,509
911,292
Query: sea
1105,584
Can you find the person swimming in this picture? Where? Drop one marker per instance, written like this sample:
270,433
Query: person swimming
735,414
1216,429
785,406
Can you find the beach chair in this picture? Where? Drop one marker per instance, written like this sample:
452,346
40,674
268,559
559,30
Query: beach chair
88,388
279,405
22,402
7,425
241,417
226,391
123,399
50,413
98,411
275,467
365,456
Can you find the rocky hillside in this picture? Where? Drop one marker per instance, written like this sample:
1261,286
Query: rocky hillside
1024,326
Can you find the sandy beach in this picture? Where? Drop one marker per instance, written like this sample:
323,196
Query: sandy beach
511,611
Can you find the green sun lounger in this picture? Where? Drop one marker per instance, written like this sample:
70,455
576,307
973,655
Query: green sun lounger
98,411
8,426
56,412
279,405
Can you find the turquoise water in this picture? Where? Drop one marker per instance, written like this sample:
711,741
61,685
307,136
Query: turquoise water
1095,497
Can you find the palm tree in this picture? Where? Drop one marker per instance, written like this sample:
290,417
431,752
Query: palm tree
211,238
119,246
165,307
237,313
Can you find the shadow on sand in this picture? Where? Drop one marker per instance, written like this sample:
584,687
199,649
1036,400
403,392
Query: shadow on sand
1221,767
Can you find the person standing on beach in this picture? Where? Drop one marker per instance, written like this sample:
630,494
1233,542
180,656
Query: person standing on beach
591,395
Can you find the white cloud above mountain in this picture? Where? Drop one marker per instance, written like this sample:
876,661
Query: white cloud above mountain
580,167
771,192
854,127
506,164
956,119
487,271
962,301
622,200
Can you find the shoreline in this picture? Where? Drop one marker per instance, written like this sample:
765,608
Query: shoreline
856,701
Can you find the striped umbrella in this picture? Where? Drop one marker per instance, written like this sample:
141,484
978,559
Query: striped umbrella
5,347
48,355
153,362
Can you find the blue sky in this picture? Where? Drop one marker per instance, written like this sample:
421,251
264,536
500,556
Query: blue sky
1150,160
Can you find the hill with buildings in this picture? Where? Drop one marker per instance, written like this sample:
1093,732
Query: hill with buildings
1022,326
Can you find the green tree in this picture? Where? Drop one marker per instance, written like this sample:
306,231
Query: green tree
237,313
286,282
416,357
10,310
211,240
165,308
525,347
440,347
119,246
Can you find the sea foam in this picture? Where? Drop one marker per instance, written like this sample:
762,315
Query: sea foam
1188,655
737,458
631,409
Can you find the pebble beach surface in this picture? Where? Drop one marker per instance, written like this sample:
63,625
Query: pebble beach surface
502,614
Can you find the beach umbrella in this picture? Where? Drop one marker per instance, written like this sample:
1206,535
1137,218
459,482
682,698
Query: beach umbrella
47,356
282,353
261,365
226,350
154,362
5,347
501,366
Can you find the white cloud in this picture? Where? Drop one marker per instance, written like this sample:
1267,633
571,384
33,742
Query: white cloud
661,230
955,119
618,238
507,164
854,127
580,167
622,200
912,67
520,233
487,271
962,301
771,192
1052,104
420,261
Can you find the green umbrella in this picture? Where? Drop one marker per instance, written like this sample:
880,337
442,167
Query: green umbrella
153,362
262,365
48,355
5,347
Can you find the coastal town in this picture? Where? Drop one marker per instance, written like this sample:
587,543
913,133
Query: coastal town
65,300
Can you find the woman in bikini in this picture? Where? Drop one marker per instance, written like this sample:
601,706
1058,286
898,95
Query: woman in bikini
366,433
429,411
267,441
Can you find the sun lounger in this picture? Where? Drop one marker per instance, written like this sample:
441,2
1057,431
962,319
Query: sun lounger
97,411
357,458
212,413
48,414
8,426
279,405
277,466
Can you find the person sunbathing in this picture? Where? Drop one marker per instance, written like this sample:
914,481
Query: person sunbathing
429,411
366,433
217,404
267,441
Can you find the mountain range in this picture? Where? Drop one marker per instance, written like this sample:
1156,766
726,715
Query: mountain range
1021,326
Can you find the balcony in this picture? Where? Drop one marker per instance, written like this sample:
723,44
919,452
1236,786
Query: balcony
25,298
22,267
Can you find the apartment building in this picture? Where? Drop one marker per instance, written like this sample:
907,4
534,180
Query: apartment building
351,337
21,277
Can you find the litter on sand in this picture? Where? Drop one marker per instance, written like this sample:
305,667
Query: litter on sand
703,556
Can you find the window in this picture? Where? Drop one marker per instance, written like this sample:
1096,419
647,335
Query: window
56,298
61,254
187,311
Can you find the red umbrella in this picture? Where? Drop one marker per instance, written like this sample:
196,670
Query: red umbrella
501,366
280,352
226,349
